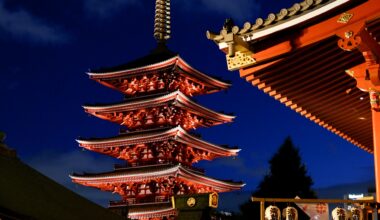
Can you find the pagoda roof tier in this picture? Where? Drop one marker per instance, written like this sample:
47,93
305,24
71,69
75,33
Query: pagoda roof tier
150,210
153,111
161,71
127,142
148,173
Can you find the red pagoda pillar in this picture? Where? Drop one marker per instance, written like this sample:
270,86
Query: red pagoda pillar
367,76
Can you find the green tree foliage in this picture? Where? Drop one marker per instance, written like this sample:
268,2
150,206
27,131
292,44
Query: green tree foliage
287,178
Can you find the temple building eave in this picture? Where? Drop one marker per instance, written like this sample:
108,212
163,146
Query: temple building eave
176,171
176,61
275,22
240,44
177,98
323,64
178,134
321,46
218,83
113,74
164,171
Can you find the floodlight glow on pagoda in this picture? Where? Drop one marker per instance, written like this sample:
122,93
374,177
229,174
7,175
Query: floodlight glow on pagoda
157,116
165,110
159,145
157,70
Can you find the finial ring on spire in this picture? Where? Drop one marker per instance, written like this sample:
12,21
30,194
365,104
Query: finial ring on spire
162,21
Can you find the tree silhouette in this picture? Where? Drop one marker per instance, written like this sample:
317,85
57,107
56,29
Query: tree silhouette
287,178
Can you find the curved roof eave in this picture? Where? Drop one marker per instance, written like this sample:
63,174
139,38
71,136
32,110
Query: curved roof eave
177,132
177,95
175,170
279,22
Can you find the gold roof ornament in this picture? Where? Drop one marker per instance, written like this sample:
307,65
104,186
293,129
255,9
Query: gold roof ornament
238,54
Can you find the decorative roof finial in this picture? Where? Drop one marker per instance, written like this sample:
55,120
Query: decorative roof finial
162,21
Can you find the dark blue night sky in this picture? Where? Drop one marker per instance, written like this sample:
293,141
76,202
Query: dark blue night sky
47,46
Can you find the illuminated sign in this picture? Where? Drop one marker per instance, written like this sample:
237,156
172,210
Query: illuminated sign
355,196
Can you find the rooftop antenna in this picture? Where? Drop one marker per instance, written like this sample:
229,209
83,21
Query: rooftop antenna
162,22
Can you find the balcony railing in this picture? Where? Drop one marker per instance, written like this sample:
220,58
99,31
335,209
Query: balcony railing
133,201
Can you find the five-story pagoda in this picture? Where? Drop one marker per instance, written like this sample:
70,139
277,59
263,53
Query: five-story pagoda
158,147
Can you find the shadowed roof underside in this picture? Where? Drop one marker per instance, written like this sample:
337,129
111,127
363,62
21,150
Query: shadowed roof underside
312,81
306,62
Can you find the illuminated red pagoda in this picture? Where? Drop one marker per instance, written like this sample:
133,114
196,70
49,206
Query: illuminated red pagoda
158,146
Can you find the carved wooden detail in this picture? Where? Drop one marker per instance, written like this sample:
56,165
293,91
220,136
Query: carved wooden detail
163,116
158,190
374,96
345,18
156,153
239,60
349,42
367,74
150,83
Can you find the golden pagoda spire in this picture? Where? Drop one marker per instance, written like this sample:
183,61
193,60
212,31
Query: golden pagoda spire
162,21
